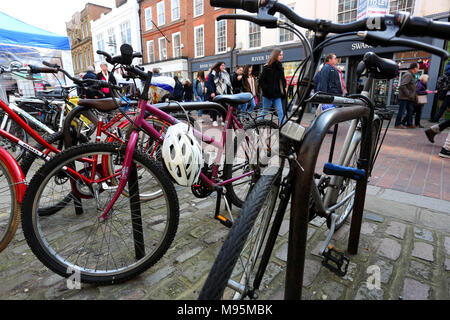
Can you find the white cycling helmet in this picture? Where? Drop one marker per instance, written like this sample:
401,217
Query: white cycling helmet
182,154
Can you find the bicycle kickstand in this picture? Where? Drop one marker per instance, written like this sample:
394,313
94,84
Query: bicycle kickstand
334,260
227,223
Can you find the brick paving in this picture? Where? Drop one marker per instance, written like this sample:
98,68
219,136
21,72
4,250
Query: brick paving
404,250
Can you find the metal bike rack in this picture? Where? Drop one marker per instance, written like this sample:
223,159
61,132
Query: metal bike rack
304,176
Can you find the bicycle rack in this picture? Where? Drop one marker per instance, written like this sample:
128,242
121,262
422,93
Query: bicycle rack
308,155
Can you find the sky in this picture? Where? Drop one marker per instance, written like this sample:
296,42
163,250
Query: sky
50,15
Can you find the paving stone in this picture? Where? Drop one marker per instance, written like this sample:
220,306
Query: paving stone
420,269
423,234
435,221
318,221
284,229
311,270
386,269
272,271
447,264
329,290
415,290
447,245
158,275
188,254
423,251
282,252
368,228
396,229
373,217
341,233
215,236
390,249
194,273
364,293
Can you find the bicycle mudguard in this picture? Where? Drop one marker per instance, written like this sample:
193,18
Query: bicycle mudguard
16,173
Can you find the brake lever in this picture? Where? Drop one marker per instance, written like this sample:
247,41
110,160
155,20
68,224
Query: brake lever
388,37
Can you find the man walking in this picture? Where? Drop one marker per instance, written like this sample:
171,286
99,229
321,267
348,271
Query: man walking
407,97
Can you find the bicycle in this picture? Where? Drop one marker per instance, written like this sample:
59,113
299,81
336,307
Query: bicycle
109,179
241,263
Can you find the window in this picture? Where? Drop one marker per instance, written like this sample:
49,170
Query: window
112,45
175,9
347,10
198,41
100,44
162,49
221,36
125,32
254,34
148,18
401,5
160,12
150,51
285,35
176,43
198,8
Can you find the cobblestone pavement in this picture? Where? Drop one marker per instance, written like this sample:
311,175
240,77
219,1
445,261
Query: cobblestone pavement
405,236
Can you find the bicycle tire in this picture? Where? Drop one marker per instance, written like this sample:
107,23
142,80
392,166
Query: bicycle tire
46,236
9,210
234,194
265,190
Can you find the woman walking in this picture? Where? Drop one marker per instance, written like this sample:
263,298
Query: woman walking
273,84
218,83
421,92
107,76
188,91
250,85
200,91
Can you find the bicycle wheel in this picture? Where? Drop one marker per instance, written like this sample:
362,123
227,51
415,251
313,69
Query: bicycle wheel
135,234
15,129
9,208
252,155
235,267
347,186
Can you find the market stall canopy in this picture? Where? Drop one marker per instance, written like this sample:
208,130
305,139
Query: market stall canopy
13,31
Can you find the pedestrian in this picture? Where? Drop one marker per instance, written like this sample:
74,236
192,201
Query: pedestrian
443,88
178,90
199,91
188,91
273,84
250,85
90,74
407,97
421,100
218,83
237,82
156,72
435,130
105,75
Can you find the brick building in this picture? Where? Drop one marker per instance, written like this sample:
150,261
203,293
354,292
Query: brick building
79,33
182,36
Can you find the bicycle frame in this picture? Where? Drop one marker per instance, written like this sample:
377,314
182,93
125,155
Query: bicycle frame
144,106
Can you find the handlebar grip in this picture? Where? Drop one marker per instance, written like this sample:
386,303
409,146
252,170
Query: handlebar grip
35,69
247,5
51,65
268,22
419,26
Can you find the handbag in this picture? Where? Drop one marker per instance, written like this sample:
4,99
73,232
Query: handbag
421,99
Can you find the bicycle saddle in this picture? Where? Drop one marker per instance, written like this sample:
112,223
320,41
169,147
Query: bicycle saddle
234,99
381,68
103,105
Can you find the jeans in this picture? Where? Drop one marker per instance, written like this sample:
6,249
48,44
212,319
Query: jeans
200,112
277,103
409,107
445,104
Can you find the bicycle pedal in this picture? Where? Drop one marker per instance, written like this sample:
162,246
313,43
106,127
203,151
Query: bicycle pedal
335,261
227,223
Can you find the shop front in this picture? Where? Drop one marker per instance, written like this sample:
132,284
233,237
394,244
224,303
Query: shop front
171,68
206,63
351,52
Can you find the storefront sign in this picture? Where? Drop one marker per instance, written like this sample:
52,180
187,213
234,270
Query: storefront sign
372,8
289,54
206,65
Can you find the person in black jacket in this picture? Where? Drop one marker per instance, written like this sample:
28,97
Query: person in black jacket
188,91
273,84
105,75
90,74
178,90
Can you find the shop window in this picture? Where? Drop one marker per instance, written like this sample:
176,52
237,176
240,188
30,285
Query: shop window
254,33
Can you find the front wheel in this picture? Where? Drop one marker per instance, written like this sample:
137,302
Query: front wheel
137,232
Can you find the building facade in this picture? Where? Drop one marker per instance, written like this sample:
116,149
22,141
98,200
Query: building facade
116,27
79,32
